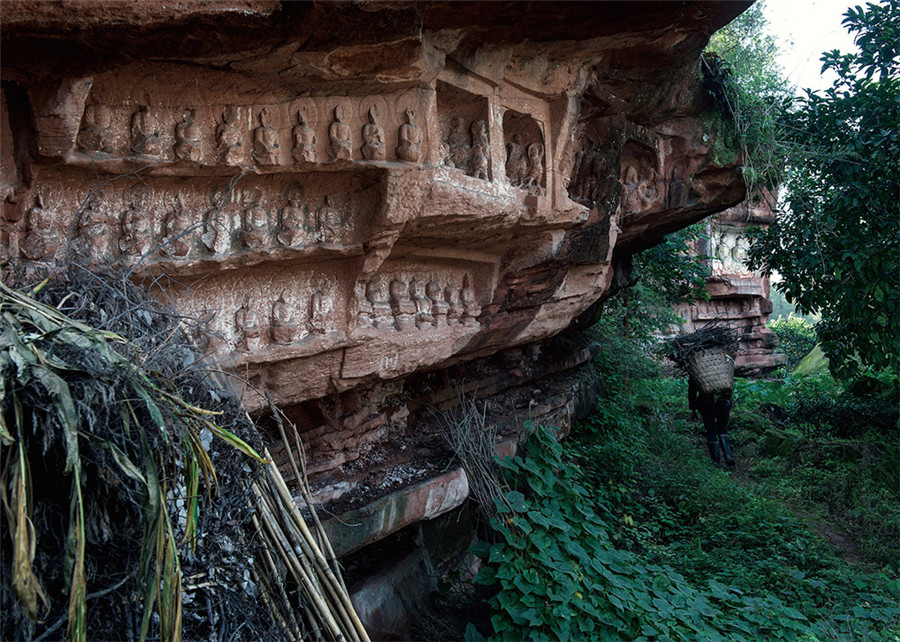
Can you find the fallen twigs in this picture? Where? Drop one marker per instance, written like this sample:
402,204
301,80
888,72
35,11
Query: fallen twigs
474,441
323,595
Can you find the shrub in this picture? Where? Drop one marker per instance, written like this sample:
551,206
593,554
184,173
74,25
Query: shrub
796,337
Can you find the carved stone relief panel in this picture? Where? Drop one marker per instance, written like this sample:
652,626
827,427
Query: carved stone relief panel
643,186
203,124
524,150
729,248
465,138
183,225
409,297
594,178
268,313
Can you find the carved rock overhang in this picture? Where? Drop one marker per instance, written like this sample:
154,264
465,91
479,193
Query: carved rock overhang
604,94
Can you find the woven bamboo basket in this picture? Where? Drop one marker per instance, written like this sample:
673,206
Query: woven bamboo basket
712,369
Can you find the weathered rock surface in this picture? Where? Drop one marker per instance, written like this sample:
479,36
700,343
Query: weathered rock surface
739,297
367,201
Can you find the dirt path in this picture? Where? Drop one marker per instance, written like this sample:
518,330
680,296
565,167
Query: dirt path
838,536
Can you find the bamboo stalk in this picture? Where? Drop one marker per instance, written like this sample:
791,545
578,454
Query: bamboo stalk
302,482
320,530
294,629
295,566
331,591
330,595
287,529
315,553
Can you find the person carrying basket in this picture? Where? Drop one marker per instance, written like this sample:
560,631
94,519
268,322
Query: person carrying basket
708,357
715,410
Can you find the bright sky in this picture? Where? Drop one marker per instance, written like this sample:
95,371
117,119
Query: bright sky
804,29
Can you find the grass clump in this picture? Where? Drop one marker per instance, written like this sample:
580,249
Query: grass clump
109,430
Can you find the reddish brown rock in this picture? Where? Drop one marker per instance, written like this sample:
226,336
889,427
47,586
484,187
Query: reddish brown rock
366,200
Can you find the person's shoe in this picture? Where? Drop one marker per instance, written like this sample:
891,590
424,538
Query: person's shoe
726,450
713,447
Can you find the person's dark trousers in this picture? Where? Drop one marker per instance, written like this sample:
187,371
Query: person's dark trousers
715,413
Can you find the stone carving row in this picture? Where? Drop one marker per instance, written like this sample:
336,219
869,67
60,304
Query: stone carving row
524,163
469,154
285,324
402,306
183,234
145,138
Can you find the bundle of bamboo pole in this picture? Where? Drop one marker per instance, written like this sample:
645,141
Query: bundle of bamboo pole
327,613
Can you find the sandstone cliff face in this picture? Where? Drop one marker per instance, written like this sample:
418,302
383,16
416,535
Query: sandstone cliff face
361,198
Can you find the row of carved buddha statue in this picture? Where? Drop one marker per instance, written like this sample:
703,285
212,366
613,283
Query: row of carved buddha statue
182,234
98,134
403,306
284,324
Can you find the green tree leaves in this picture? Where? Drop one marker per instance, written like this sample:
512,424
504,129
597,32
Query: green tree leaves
838,244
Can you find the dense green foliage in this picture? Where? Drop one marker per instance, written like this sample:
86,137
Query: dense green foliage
837,245
796,337
749,92
672,270
626,530
834,451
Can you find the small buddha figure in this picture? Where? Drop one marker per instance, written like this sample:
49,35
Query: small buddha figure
136,233
631,198
480,150
409,136
246,326
340,137
439,307
424,318
402,306
92,241
364,314
378,297
319,312
255,226
373,138
328,222
41,239
535,166
458,144
144,132
454,307
265,141
283,327
516,162
209,233
187,138
96,133
445,154
291,223
304,137
471,309
177,241
228,139
648,190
